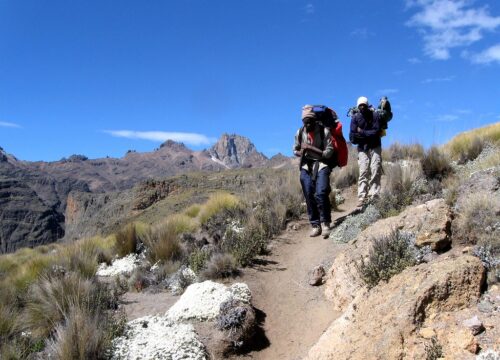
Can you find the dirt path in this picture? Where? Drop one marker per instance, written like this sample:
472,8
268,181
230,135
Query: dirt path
294,313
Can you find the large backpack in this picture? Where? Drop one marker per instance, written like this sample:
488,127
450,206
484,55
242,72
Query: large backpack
383,112
327,117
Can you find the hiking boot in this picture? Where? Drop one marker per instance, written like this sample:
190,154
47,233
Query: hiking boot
326,229
316,231
360,205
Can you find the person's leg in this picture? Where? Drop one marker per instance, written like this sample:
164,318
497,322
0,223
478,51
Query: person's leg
322,195
376,172
364,172
308,190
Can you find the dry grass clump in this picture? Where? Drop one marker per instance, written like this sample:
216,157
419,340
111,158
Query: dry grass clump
398,151
389,256
435,164
163,244
465,145
193,211
127,241
348,175
181,223
217,203
403,185
478,222
220,266
82,335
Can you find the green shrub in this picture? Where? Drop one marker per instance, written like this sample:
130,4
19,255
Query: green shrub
220,266
127,241
436,164
434,350
197,260
389,256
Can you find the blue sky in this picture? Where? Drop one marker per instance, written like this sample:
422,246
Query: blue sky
101,77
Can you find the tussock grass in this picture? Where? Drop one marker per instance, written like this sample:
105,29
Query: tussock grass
50,299
220,266
181,223
436,164
477,221
465,145
398,151
193,211
126,241
217,203
163,243
82,335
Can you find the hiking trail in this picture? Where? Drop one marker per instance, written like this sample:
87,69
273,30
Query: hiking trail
292,314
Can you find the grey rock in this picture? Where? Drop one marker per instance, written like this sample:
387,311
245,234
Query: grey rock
317,276
474,324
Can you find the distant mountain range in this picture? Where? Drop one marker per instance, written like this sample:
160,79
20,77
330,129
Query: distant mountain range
34,195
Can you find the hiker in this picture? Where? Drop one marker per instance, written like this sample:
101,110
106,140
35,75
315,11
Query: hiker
313,144
368,125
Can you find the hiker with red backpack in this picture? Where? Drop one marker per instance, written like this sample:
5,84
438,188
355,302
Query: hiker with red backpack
368,125
315,144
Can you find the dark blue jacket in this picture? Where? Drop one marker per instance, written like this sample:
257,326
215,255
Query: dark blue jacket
369,136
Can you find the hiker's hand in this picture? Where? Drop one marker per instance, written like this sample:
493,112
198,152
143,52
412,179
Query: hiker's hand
305,147
359,129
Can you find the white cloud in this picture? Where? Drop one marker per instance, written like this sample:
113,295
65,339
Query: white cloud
441,79
387,91
161,136
414,60
446,117
448,24
487,56
362,33
9,124
309,8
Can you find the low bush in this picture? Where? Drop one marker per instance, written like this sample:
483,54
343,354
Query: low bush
389,256
434,350
220,266
435,164
197,260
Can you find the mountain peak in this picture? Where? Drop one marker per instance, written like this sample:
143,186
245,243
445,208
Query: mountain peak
236,151
171,144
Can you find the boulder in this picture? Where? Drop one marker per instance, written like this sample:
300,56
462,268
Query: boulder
385,322
430,222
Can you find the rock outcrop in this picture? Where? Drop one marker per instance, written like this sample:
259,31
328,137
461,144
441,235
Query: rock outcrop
430,222
385,322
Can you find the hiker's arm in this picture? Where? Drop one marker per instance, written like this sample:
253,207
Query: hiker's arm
312,148
296,146
354,134
328,152
374,131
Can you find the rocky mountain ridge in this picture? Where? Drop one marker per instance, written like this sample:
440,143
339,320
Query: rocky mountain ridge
32,189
